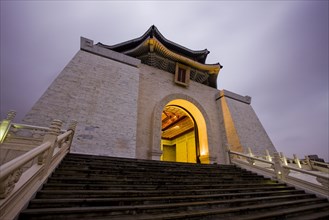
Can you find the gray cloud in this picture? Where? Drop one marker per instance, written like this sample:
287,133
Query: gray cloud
274,51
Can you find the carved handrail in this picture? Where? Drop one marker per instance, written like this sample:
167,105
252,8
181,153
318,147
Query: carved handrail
64,135
31,127
35,133
281,171
250,157
284,166
316,163
305,172
18,162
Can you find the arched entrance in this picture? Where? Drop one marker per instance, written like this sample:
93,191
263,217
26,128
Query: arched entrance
195,112
179,135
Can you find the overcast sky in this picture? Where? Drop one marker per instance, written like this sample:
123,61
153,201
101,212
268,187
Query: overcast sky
274,51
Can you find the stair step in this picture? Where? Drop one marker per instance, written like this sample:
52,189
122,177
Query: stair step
142,182
35,203
291,212
150,175
217,208
322,213
134,174
95,186
131,170
121,193
220,214
94,158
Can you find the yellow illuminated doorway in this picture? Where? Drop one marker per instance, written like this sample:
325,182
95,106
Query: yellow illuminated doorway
179,135
169,152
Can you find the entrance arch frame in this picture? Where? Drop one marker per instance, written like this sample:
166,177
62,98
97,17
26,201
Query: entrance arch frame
155,152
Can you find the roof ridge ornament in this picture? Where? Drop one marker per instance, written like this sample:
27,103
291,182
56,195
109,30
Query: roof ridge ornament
152,31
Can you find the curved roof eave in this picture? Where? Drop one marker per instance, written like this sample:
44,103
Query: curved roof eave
177,47
158,46
127,45
199,55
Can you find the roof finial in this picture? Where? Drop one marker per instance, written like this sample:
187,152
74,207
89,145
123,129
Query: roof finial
152,31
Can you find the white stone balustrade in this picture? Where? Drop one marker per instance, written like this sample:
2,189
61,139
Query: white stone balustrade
11,171
311,181
16,186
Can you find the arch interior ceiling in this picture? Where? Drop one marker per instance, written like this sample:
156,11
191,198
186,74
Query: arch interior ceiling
175,122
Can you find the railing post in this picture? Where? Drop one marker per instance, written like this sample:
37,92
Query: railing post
309,162
250,152
11,115
72,127
268,156
284,159
228,154
51,137
280,172
297,161
5,125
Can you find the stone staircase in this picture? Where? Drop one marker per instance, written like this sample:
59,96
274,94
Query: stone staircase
95,187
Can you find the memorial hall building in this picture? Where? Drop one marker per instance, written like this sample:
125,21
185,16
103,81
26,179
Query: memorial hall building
150,98
104,140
